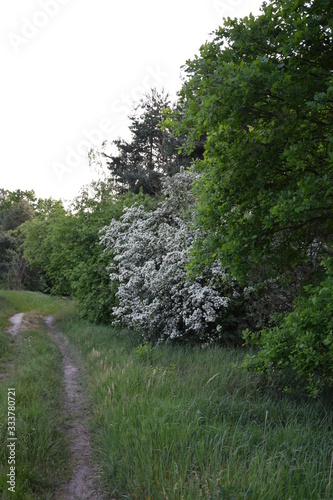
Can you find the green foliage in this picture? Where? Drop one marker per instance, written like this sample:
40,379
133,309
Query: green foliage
152,153
90,281
64,246
8,198
18,213
262,92
46,247
16,208
300,348
146,353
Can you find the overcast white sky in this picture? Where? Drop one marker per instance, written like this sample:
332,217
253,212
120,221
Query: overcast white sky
71,68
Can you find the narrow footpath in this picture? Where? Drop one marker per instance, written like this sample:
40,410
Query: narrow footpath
85,483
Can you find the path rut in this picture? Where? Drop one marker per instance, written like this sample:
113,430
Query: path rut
85,483
16,321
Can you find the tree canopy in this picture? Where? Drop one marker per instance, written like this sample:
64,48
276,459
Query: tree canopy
262,93
142,162
153,153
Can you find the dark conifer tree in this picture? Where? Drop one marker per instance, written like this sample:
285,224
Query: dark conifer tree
151,154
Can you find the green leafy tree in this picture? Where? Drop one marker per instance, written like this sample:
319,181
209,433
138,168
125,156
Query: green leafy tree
298,351
46,247
262,92
16,207
16,214
90,280
8,198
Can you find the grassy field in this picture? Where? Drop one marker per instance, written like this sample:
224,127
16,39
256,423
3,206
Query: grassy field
166,423
174,423
31,364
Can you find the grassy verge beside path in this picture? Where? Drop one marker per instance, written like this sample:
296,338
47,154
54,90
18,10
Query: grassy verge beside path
174,423
31,364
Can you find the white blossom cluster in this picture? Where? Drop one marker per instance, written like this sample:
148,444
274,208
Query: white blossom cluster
151,252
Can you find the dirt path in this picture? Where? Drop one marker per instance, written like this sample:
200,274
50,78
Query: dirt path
16,321
84,483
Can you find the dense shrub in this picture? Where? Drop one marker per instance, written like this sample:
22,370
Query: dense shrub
151,251
301,345
64,245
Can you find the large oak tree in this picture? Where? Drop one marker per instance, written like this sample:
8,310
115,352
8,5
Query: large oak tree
262,92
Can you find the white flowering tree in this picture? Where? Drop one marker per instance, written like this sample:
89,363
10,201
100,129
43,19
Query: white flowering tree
151,252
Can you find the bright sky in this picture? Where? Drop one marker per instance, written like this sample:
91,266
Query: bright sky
71,69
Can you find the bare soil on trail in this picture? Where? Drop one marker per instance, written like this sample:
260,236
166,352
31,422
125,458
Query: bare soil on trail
23,321
16,321
84,483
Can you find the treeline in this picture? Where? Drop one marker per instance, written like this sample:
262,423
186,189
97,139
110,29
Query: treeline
215,222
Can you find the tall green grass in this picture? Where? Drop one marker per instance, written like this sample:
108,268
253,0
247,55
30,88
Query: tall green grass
167,422
35,371
178,423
